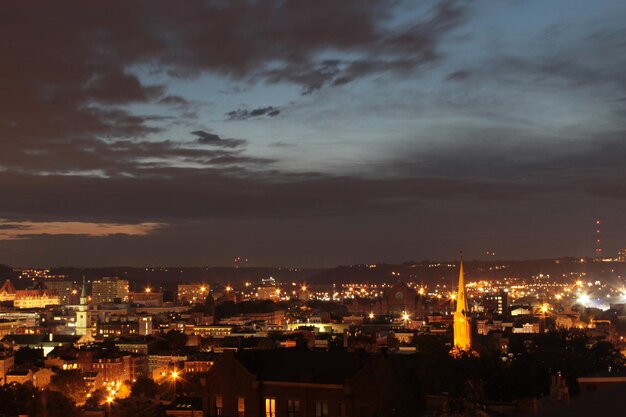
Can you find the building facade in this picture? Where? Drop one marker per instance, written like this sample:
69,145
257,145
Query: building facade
192,293
108,290
293,383
35,298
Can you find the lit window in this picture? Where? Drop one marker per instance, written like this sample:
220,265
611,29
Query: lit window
270,407
321,408
241,406
293,408
218,405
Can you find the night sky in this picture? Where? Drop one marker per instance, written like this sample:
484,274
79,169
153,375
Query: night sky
310,132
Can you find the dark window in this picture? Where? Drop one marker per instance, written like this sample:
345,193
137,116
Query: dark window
321,408
293,408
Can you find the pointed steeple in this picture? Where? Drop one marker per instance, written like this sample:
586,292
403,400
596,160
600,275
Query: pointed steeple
82,313
461,301
83,293
462,328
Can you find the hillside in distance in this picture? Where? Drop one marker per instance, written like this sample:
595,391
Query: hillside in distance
446,272
423,272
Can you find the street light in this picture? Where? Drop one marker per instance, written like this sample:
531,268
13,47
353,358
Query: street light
174,376
406,317
108,409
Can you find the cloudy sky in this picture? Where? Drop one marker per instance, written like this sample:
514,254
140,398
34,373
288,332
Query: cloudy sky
310,132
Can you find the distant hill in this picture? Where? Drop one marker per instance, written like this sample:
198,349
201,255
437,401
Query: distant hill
6,272
423,272
169,277
445,272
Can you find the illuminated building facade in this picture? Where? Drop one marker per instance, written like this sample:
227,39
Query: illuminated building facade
192,293
462,328
108,290
400,299
118,328
63,288
113,367
35,298
147,298
7,292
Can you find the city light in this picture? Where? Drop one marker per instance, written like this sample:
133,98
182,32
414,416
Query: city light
583,299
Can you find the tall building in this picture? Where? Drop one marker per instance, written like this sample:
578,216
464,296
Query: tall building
496,302
63,288
462,328
621,255
268,290
83,320
108,290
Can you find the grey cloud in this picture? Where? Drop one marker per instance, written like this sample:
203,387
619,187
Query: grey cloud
459,75
212,139
174,100
10,226
216,193
245,114
64,94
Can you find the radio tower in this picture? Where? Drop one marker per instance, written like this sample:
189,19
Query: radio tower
598,223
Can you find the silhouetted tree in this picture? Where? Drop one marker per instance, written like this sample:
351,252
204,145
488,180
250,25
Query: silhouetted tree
144,387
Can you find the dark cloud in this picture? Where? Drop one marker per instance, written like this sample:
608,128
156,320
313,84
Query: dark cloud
459,75
174,100
11,226
70,72
245,114
178,193
281,145
212,139
121,157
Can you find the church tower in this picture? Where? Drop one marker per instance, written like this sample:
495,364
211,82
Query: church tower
462,328
82,314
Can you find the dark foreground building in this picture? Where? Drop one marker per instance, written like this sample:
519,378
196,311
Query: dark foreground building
295,383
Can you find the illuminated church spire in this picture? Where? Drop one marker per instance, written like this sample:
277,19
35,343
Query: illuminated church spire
462,329
83,293
82,313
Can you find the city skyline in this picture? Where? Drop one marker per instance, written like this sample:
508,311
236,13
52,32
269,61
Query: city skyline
327,133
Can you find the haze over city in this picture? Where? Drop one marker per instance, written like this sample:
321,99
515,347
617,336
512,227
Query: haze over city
310,133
